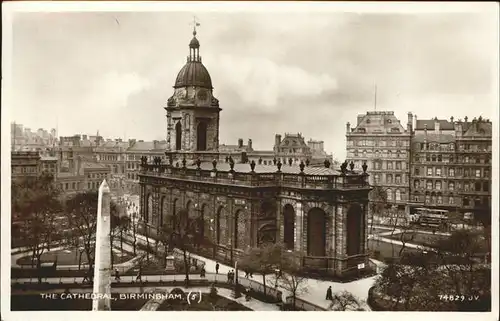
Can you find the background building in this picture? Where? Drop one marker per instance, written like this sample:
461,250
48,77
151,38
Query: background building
451,168
383,143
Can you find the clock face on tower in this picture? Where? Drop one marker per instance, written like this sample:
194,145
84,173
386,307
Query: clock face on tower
202,94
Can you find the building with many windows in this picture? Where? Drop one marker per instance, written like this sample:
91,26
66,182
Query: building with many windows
383,143
25,164
451,165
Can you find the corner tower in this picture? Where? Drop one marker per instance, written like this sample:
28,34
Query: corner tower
193,111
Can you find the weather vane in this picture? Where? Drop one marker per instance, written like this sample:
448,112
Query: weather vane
195,24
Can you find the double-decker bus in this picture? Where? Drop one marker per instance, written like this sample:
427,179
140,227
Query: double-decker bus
430,217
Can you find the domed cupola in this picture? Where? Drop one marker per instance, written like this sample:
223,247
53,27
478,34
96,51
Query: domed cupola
194,73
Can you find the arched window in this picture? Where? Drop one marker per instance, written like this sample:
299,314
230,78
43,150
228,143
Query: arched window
389,195
201,136
178,136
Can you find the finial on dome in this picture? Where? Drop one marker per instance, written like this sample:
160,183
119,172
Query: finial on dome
195,24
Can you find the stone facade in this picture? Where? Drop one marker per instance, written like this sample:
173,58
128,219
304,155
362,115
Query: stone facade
230,207
451,165
233,213
380,140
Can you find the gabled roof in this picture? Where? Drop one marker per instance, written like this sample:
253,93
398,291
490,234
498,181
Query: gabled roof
379,122
443,124
291,140
479,128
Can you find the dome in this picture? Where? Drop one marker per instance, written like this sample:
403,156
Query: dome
194,43
193,74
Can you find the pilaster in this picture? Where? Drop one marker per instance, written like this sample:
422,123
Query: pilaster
299,228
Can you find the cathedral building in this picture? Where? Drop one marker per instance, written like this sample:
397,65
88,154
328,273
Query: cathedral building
318,212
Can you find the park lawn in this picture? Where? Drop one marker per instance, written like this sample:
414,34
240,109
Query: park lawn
379,230
419,238
70,257
223,304
386,249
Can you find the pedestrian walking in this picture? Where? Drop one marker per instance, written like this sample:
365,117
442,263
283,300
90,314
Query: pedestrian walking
329,293
217,268
246,274
229,276
202,272
117,275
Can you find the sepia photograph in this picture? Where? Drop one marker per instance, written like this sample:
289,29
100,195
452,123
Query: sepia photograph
250,157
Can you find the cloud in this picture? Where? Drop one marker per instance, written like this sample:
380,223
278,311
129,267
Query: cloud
264,82
113,89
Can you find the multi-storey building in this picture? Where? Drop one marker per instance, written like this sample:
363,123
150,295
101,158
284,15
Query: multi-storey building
291,146
383,143
474,154
316,212
134,152
49,164
85,176
25,164
451,165
23,139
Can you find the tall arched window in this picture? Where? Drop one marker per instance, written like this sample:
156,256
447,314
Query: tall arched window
201,136
398,195
389,194
178,136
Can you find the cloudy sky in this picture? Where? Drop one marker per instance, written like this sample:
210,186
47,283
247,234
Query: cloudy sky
272,72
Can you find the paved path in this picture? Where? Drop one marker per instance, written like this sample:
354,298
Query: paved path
121,266
316,289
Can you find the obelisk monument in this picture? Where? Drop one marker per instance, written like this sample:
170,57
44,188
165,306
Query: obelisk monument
102,263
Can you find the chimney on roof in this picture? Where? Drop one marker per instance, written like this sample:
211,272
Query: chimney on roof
249,144
131,142
437,128
360,118
84,137
155,144
348,127
409,125
425,129
277,140
466,119
451,119
240,142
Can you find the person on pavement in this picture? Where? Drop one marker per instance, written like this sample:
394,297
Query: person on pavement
329,293
117,275
217,268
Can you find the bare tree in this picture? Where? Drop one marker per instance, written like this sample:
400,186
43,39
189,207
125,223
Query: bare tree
35,202
345,301
377,205
291,278
179,233
261,260
81,212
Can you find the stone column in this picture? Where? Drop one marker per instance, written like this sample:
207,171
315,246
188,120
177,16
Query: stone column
332,233
299,233
102,265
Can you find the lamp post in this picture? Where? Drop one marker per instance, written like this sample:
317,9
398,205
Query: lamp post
236,291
